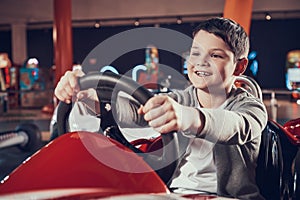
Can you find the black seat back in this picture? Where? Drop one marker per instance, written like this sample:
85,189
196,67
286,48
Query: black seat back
274,173
270,163
275,166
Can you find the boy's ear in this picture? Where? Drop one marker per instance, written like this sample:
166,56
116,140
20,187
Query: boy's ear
241,66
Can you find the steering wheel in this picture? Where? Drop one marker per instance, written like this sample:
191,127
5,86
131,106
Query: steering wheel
165,163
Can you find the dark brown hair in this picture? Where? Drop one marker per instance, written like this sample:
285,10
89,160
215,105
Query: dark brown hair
230,32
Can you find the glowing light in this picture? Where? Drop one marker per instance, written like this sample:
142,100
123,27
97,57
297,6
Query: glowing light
97,24
33,61
136,22
268,17
136,69
252,55
109,68
179,20
5,179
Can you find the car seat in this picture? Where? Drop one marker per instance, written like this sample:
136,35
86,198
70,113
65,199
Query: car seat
275,164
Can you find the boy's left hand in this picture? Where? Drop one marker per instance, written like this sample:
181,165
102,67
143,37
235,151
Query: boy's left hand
165,115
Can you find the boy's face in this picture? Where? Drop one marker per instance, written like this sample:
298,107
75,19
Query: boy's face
211,63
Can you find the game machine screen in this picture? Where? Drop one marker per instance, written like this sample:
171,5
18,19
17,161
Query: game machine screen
149,77
5,65
185,58
29,82
293,73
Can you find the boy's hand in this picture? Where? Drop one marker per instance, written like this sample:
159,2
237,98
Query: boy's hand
67,88
166,115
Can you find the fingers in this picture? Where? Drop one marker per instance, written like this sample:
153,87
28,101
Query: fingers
140,110
167,128
67,86
154,102
164,109
160,114
164,123
90,94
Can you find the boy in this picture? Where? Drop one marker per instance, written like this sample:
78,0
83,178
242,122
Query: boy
224,123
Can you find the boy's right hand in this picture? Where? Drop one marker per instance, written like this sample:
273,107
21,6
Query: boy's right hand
68,88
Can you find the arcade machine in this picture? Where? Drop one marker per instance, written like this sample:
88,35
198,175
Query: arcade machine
293,74
185,58
5,65
31,86
149,78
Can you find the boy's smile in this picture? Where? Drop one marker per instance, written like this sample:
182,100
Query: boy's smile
203,73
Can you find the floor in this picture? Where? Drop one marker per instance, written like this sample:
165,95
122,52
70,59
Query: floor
11,157
12,118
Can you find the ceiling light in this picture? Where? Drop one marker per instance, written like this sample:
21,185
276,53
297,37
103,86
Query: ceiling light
136,22
268,16
97,24
179,20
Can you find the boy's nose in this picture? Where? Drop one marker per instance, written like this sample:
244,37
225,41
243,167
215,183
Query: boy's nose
199,61
204,63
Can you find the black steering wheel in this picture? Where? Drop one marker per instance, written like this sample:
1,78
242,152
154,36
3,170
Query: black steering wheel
105,83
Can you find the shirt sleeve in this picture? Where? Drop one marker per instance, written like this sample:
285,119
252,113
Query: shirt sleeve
127,113
238,123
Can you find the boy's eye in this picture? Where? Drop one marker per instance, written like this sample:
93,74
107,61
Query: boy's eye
195,54
216,56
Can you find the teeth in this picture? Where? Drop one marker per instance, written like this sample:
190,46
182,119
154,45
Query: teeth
202,73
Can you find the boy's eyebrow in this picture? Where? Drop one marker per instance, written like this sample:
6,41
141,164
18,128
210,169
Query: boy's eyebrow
218,49
194,47
214,49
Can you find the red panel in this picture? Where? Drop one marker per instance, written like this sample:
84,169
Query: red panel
85,160
293,128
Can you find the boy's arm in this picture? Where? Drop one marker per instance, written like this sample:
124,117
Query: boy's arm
127,113
242,119
239,125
